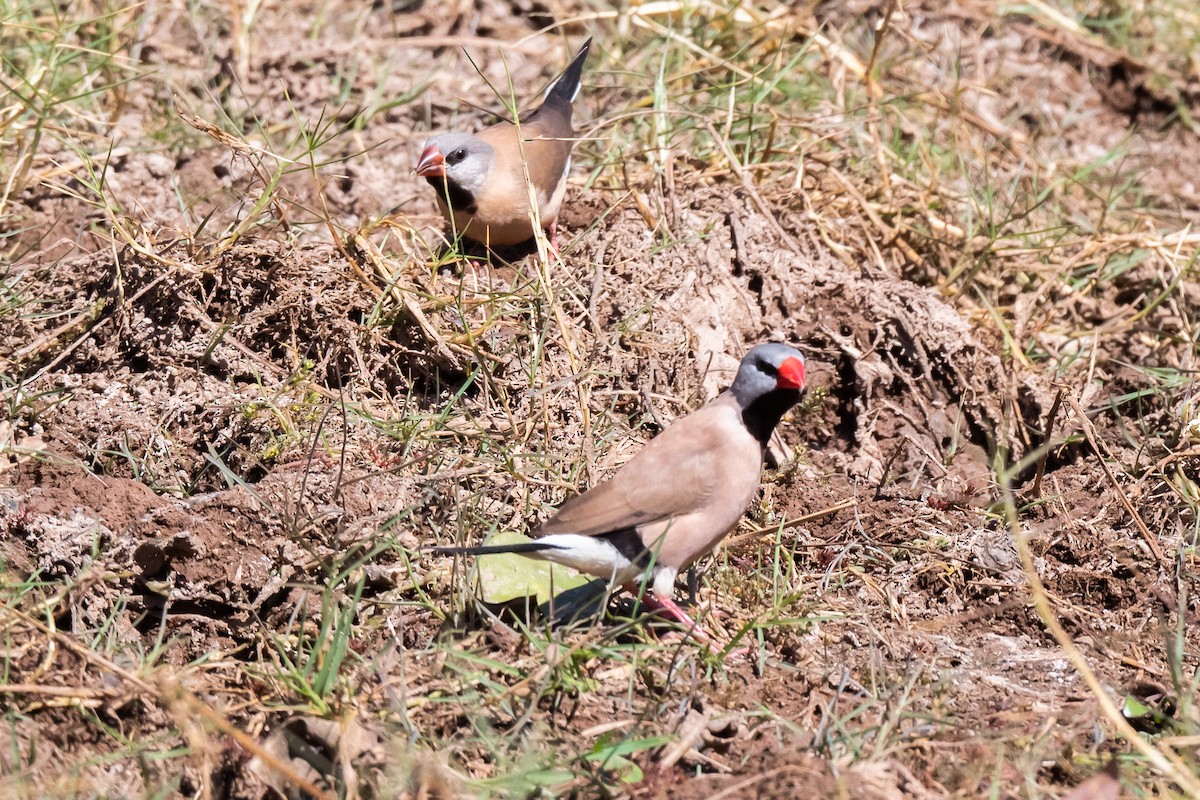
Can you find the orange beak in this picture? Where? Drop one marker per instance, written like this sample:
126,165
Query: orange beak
791,374
432,163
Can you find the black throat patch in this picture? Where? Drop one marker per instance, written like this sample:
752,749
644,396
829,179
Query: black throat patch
460,199
761,416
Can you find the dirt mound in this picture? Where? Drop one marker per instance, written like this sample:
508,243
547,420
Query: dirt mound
209,343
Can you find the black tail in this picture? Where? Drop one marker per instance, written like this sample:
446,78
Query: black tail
566,86
492,549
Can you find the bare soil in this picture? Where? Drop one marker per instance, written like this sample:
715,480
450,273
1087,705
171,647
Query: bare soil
210,436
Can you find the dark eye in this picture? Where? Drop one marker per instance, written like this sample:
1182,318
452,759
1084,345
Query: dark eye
457,156
768,368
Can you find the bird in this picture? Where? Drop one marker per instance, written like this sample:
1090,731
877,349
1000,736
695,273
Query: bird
679,495
480,178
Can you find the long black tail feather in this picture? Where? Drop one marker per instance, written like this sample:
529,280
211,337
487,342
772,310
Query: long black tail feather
566,87
492,549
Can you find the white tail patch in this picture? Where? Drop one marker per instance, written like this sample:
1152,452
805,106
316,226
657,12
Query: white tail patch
588,555
554,86
563,77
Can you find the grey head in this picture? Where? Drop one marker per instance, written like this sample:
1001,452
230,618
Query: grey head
462,159
769,381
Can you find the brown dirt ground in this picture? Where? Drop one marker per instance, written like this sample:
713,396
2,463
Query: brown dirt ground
212,434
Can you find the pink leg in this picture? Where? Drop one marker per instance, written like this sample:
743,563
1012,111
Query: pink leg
671,610
554,236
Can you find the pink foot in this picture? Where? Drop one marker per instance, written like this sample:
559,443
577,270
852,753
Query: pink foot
667,607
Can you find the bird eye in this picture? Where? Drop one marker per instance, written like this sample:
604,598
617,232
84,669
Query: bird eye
457,156
769,368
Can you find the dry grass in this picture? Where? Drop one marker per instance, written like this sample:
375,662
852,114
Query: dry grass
233,219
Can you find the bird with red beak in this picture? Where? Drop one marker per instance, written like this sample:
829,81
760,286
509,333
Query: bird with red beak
484,181
679,495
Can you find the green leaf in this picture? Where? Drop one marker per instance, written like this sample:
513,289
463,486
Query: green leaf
508,576
611,758
620,768
1135,708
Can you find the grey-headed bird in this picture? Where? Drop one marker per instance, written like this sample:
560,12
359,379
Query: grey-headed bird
679,495
480,179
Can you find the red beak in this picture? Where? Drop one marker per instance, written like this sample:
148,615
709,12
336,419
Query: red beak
432,163
791,374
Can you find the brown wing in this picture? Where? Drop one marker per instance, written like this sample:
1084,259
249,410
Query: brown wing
676,473
546,142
